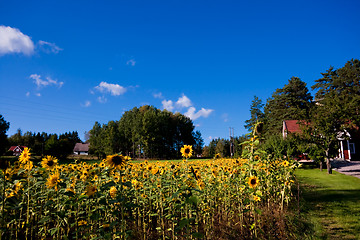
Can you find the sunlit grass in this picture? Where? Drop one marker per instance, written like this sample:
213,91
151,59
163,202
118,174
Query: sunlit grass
331,202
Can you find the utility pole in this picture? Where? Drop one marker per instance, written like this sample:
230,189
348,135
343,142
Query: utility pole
231,142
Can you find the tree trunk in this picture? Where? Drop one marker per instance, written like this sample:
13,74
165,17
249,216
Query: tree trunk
328,163
321,165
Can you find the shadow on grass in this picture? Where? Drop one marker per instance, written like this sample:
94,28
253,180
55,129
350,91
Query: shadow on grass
334,213
336,195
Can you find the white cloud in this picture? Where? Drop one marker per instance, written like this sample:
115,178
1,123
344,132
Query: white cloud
193,115
27,94
14,41
113,89
102,99
168,105
43,83
49,47
158,95
86,104
184,101
131,62
38,94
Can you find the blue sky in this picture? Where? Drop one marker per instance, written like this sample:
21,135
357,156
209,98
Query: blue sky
66,64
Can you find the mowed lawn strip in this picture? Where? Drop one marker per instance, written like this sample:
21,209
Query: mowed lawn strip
331,202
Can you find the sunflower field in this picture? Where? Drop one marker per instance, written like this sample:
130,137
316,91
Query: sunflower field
240,198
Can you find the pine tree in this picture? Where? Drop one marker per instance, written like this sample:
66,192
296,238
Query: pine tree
256,113
292,102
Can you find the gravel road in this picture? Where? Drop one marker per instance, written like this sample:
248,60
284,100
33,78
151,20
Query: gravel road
349,168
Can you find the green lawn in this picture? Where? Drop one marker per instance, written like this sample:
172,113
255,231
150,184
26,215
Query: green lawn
331,203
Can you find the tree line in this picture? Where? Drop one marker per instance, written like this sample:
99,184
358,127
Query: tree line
224,147
40,143
145,132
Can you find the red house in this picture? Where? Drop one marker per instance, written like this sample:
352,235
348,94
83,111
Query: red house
17,150
347,150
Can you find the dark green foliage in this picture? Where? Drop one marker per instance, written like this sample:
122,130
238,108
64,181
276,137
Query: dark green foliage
337,110
145,132
46,144
4,126
290,147
292,102
256,112
222,146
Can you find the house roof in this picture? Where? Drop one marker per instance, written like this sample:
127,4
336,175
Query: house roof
81,147
12,148
293,126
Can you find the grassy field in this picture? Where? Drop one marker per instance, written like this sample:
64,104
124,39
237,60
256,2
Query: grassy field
331,203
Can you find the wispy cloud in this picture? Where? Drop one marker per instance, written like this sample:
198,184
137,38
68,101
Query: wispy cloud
40,83
27,94
131,62
102,99
184,101
168,105
158,95
113,89
38,94
86,104
193,115
49,47
12,40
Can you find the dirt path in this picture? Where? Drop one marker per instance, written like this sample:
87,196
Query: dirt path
349,168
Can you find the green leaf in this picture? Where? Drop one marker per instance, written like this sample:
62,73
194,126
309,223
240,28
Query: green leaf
197,235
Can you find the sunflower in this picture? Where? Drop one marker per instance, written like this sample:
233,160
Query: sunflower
90,190
154,171
82,222
71,189
186,151
253,181
25,155
113,192
18,186
214,172
256,198
28,166
136,184
200,184
49,162
285,163
53,180
116,161
116,178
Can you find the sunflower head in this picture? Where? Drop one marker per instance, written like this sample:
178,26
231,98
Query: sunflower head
113,192
186,151
285,163
90,190
200,184
116,161
25,155
49,162
253,181
82,222
53,180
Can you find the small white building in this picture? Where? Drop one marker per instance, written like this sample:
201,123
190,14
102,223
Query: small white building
17,150
81,149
